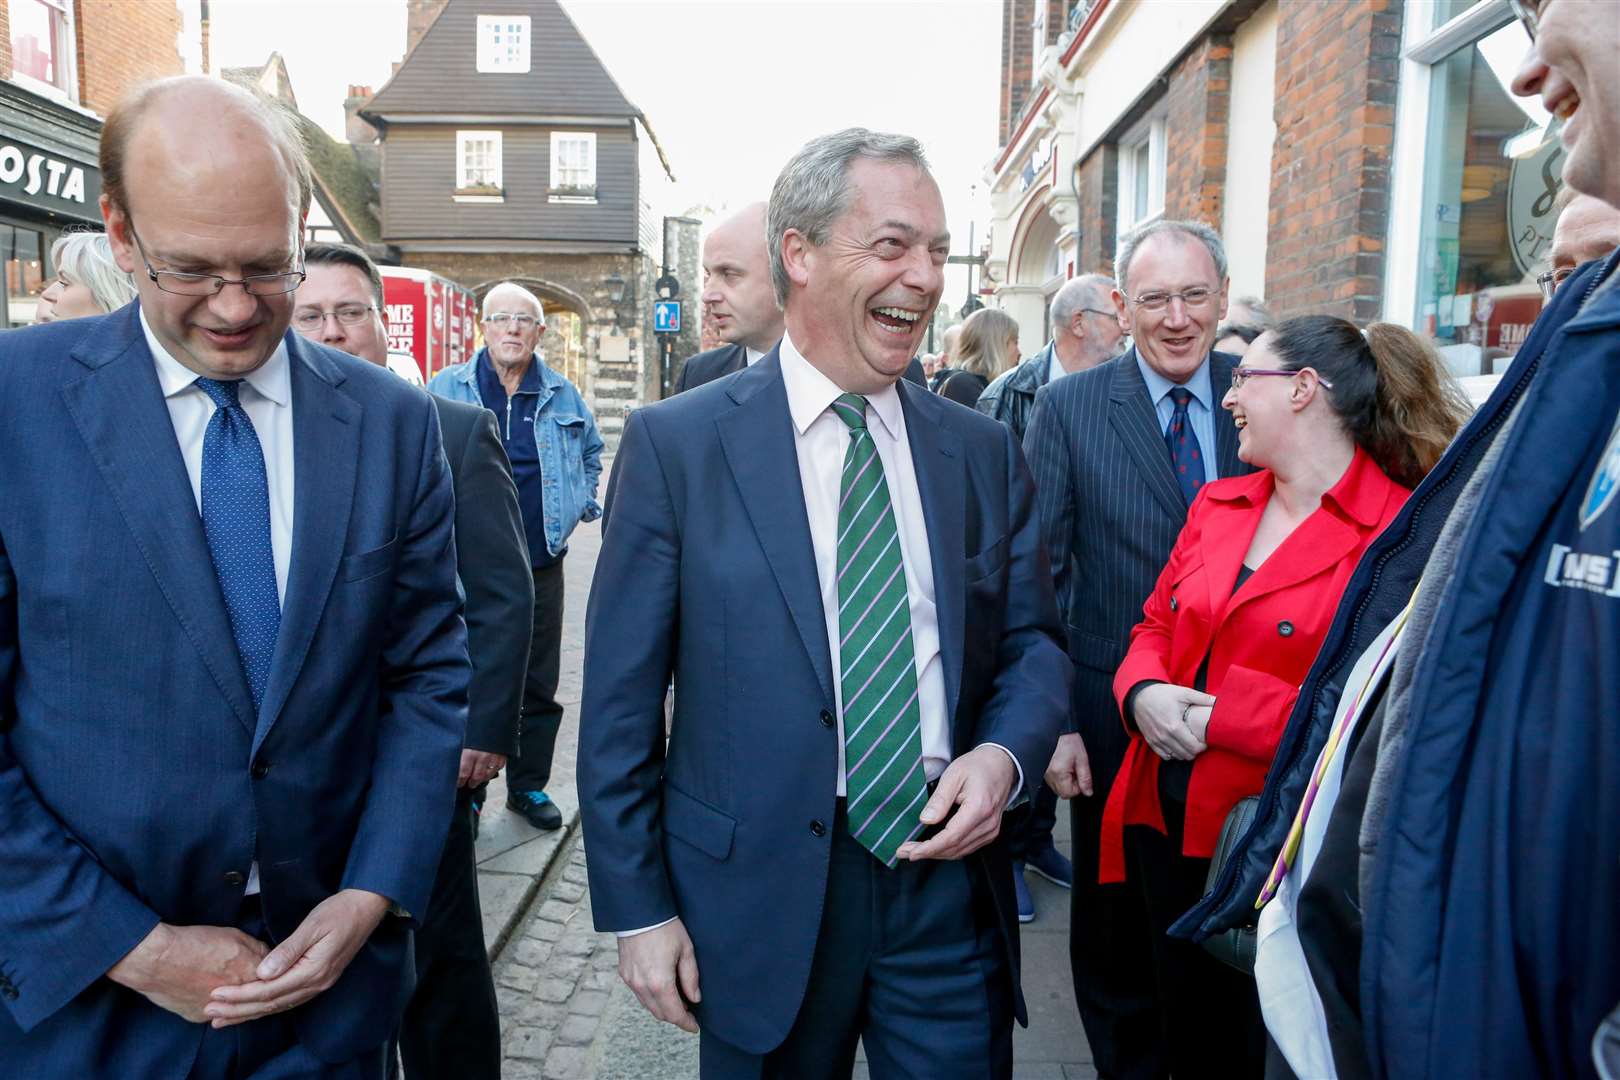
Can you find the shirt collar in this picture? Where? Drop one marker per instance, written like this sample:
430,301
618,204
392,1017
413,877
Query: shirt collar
810,393
753,355
1158,386
1054,367
271,380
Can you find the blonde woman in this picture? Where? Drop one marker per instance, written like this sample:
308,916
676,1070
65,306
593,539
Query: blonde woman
988,346
88,281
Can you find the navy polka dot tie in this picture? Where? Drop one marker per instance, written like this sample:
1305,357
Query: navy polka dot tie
1185,457
236,519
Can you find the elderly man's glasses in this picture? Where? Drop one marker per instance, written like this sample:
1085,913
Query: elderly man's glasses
183,283
347,314
1241,375
1158,301
1529,14
1549,281
500,320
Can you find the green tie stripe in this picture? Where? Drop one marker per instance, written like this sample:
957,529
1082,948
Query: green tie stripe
884,782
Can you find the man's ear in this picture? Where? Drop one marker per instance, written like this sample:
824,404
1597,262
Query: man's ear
796,254
1226,287
119,237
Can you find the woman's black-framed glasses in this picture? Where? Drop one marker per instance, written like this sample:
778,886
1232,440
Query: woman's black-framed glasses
1241,375
183,283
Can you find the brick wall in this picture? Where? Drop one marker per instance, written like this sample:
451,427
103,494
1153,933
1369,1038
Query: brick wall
1099,188
122,43
1337,66
1015,63
1198,105
5,41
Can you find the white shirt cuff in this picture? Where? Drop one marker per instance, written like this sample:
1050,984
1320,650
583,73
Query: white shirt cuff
644,929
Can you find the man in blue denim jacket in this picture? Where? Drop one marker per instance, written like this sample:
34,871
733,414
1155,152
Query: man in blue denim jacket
556,456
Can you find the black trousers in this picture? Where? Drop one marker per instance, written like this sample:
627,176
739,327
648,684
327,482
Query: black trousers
451,1029
542,716
1029,828
1212,1022
908,960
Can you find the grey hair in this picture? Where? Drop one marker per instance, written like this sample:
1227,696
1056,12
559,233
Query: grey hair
514,287
1085,291
1195,230
812,189
86,258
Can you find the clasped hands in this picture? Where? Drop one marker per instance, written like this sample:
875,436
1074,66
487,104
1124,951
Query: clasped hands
219,975
1173,720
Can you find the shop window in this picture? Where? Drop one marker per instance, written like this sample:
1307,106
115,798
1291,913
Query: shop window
1141,175
573,166
1490,175
503,44
24,253
42,46
478,166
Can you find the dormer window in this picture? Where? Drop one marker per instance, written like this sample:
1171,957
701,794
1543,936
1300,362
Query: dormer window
503,44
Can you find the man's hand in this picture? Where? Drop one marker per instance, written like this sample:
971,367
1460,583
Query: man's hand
978,784
660,967
175,967
1160,709
479,767
1069,774
307,963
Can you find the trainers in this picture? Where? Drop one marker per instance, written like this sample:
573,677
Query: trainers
1051,865
1026,902
536,808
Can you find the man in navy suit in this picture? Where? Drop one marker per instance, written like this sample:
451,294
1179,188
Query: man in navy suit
737,295
844,575
233,670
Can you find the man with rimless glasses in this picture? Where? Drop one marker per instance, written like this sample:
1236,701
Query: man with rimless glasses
556,456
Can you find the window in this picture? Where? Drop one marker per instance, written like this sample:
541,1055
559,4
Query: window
573,166
42,46
503,44
1141,175
478,166
23,252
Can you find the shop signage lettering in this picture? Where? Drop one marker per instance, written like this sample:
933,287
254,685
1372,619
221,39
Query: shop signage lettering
1532,187
401,320
35,172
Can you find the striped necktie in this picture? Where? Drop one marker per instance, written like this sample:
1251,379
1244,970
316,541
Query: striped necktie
883,771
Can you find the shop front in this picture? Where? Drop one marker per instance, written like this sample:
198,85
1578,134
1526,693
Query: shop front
49,184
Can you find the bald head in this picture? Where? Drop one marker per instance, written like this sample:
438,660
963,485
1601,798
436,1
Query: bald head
737,293
1587,229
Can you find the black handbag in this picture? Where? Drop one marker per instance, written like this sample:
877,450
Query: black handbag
1235,947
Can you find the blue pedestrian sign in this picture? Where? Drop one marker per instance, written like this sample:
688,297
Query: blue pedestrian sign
666,316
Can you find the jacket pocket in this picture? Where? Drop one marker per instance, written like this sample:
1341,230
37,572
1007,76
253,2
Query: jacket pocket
986,562
367,564
1097,653
697,823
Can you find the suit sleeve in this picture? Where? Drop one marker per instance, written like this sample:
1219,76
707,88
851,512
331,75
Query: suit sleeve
493,557
423,702
1047,448
64,921
630,629
1028,705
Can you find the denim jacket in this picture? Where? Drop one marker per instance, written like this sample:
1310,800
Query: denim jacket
566,435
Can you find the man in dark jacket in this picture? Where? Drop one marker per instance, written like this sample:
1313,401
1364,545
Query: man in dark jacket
737,295
1086,331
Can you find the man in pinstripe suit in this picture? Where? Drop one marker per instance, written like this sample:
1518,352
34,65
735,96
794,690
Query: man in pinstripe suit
1112,503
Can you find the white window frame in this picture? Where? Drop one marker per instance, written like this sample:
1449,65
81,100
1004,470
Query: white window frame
496,57
1152,136
66,56
464,187
580,193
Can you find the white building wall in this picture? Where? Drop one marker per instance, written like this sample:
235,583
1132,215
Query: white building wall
1251,136
1136,40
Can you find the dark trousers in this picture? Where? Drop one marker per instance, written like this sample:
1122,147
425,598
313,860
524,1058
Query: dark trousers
1212,1021
910,961
451,1029
542,716
268,1049
1029,828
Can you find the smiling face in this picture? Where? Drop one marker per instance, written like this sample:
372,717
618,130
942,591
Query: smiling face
1175,339
737,293
1574,65
860,302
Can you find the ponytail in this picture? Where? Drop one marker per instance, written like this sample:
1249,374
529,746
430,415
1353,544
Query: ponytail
1390,390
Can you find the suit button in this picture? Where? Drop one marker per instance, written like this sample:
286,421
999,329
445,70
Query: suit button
1172,603
260,771
1285,628
817,828
826,718
235,877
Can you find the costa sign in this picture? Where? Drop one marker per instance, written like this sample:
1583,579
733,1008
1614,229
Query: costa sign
34,176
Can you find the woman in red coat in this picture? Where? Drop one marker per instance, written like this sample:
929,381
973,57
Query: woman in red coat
1342,424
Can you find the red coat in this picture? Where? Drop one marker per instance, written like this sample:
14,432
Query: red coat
1261,641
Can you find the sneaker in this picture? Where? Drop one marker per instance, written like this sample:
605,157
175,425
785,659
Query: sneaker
1026,902
536,808
1051,865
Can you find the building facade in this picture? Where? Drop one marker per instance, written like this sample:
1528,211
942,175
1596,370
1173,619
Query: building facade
1363,158
63,65
508,152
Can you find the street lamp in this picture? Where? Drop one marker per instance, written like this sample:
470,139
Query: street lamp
615,287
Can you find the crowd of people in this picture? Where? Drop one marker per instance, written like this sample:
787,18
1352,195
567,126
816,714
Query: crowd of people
1316,652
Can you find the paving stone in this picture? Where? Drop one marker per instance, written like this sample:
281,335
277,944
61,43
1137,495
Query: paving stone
568,892
566,1063
541,930
554,990
600,980
577,1031
512,1069
605,959
566,968
554,911
530,953
575,944
588,1002
546,1014
517,978
528,1044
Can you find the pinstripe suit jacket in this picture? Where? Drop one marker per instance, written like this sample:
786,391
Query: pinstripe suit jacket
1110,513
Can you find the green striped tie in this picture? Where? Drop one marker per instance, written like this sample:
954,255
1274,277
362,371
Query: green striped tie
883,766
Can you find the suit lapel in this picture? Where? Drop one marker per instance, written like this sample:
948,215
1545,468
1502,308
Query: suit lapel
326,450
757,438
121,415
1134,420
941,473
1226,441
737,361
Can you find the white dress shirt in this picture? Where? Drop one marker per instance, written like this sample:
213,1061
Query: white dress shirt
754,355
267,400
